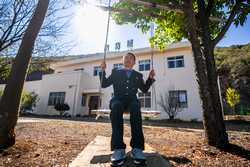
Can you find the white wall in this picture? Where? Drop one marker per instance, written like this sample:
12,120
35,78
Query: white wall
166,79
64,82
179,79
75,83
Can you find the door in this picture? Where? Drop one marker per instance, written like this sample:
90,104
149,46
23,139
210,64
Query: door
93,103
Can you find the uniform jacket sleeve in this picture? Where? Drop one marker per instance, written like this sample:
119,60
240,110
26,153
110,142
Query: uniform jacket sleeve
106,82
144,87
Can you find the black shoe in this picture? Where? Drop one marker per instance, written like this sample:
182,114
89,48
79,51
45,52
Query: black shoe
118,163
140,162
118,157
138,157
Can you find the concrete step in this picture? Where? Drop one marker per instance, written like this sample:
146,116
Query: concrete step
97,154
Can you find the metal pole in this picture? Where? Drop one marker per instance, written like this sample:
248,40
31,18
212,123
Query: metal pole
105,51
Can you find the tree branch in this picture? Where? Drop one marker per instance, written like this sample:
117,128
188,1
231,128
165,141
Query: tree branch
227,24
133,13
172,6
209,8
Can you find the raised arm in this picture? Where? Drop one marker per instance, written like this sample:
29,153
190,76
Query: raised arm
105,82
144,87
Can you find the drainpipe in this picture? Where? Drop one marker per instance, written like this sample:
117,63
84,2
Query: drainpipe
77,89
221,102
73,110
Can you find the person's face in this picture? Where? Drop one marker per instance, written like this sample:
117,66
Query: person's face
128,61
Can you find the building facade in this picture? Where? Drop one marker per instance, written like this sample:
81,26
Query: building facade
76,82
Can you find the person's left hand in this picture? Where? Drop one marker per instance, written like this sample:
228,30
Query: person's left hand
152,74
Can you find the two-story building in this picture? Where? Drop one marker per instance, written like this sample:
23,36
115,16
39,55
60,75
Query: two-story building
76,82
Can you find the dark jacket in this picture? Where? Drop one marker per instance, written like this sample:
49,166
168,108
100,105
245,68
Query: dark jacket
124,86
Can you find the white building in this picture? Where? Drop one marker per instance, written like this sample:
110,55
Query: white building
76,82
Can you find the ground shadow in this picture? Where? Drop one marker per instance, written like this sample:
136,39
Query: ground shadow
153,160
237,150
100,159
179,160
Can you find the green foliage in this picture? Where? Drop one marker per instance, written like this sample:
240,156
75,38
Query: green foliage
169,30
170,25
233,97
4,68
40,64
234,61
233,64
37,64
28,100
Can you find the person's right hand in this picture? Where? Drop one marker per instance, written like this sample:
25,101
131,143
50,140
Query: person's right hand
103,65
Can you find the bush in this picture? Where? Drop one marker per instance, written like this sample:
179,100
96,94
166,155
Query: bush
61,108
233,98
28,100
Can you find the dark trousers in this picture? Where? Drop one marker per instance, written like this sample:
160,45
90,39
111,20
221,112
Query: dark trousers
118,105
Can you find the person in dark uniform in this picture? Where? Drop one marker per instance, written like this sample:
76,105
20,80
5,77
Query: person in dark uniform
126,83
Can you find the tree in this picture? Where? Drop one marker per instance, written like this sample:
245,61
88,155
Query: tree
204,23
15,16
10,101
233,65
37,65
170,105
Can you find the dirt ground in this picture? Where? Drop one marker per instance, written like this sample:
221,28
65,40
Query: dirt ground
57,143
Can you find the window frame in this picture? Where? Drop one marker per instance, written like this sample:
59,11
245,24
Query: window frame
54,96
96,70
118,65
144,65
143,97
175,60
182,104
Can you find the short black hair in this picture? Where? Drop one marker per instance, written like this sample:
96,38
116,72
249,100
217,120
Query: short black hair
132,54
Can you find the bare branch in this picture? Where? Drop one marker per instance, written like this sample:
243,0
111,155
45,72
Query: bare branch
15,16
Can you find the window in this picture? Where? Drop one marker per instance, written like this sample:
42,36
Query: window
145,99
97,70
84,98
144,65
180,96
118,65
56,97
175,62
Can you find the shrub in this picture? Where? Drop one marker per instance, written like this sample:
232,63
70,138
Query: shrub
233,98
61,108
28,100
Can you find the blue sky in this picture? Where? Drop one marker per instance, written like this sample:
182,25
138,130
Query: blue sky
239,35
88,29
